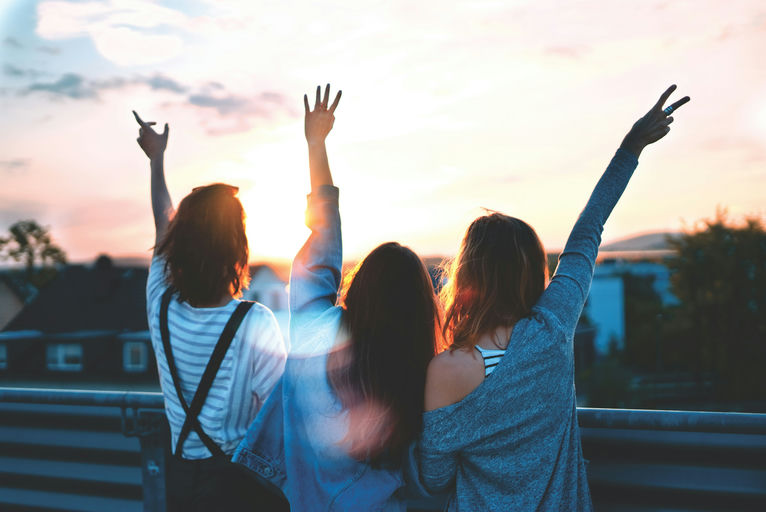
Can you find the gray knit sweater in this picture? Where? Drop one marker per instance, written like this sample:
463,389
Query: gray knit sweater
513,443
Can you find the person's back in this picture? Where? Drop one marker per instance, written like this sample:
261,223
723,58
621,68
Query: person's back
335,433
218,358
516,433
506,436
248,372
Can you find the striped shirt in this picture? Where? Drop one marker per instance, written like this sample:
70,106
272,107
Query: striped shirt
491,358
249,371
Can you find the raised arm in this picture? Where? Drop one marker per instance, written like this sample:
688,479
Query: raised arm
316,271
569,287
154,145
317,126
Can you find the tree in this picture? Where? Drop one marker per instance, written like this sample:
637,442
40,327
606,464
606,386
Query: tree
31,244
719,275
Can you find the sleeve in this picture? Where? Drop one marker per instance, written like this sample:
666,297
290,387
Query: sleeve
156,284
414,487
437,469
566,294
269,357
316,271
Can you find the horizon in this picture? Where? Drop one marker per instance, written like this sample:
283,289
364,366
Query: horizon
444,112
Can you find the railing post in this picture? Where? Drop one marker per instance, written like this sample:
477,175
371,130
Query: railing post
153,434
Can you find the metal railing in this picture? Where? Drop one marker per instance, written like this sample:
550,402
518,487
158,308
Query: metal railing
60,445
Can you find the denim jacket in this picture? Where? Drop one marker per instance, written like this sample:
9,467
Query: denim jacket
295,442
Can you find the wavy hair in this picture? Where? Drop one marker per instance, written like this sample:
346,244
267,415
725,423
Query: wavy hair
205,246
497,276
392,318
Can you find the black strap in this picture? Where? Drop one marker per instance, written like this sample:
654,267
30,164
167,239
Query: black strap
206,382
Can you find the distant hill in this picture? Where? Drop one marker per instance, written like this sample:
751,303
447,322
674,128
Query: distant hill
645,242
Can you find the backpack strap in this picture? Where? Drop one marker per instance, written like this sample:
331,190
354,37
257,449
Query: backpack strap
206,382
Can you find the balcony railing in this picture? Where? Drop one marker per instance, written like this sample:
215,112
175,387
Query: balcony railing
102,450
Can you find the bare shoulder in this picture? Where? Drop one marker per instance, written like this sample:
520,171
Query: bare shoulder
451,376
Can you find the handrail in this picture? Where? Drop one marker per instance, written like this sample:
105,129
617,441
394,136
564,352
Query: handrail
697,421
692,421
123,399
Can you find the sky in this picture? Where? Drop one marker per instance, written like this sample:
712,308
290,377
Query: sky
447,108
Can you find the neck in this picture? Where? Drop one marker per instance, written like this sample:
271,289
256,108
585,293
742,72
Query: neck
222,302
496,339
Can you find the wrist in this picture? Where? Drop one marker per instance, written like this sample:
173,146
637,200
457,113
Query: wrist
632,147
315,143
157,158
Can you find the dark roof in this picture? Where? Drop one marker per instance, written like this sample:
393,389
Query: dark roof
99,297
17,284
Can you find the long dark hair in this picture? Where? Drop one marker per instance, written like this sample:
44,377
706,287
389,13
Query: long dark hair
392,318
205,246
498,275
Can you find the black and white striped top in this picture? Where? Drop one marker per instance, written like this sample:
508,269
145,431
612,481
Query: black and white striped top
491,358
250,369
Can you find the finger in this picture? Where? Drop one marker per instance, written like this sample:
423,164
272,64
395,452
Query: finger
682,101
138,119
306,102
166,132
335,102
140,132
664,97
150,123
318,99
668,120
326,95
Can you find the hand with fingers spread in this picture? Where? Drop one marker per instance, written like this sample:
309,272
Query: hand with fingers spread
318,122
654,125
151,142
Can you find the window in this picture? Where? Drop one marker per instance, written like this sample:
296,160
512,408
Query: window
64,357
3,356
134,356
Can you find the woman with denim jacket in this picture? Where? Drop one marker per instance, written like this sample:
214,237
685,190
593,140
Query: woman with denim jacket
337,432
500,429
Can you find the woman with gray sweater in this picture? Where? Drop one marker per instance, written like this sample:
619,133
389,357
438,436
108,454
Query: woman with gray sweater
501,420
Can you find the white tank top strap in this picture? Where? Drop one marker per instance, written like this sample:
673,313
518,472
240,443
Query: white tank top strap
491,358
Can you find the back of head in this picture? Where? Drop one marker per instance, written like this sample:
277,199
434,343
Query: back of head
498,275
205,246
392,317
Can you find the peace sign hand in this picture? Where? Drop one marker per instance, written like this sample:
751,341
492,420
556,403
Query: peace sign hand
654,125
319,122
151,142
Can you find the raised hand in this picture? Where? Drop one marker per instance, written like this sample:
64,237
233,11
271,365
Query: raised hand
318,122
151,142
654,125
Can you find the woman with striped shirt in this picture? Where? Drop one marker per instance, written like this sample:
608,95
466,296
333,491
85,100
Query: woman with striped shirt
218,358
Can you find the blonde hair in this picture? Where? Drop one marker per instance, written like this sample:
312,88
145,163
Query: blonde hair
497,276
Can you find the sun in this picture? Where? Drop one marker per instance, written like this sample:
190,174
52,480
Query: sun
275,219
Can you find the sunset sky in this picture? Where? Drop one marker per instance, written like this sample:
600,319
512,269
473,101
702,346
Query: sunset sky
447,107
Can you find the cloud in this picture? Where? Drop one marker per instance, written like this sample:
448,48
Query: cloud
160,82
568,52
75,86
69,85
13,210
223,104
50,50
13,71
14,165
236,113
122,32
12,43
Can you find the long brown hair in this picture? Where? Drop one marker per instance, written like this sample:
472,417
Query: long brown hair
392,318
205,246
497,276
